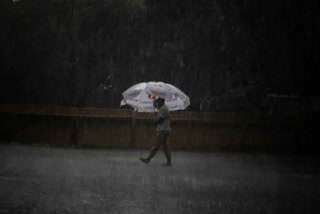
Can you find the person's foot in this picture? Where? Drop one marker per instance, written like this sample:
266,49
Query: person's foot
167,164
145,160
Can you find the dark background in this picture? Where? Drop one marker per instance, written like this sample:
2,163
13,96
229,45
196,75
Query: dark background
85,53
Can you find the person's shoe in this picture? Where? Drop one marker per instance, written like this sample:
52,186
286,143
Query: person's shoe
167,164
145,160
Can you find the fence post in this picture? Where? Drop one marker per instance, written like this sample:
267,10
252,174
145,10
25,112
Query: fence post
74,137
133,130
189,130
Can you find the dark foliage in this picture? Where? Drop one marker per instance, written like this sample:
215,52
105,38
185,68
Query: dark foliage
86,52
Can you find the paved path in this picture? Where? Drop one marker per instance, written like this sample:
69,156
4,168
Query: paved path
44,180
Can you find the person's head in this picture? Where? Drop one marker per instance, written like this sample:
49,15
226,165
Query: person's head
159,102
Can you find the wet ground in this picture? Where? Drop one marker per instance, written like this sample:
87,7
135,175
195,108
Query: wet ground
37,179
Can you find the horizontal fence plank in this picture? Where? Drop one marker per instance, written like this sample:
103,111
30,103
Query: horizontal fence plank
127,113
64,111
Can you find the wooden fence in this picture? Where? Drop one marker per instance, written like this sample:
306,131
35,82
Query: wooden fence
120,128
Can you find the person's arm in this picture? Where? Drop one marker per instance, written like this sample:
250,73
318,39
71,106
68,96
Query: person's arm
160,120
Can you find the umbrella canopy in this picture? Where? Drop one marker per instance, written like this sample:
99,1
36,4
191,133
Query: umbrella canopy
141,96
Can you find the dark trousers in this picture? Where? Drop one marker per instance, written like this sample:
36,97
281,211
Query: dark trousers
161,139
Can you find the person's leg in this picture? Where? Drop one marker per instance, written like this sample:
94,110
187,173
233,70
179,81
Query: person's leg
155,148
166,148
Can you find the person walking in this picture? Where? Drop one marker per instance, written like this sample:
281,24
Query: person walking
163,130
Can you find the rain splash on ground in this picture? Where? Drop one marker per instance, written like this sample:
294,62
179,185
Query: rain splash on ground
40,180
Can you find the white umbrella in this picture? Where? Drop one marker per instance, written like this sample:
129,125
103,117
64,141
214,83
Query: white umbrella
142,95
